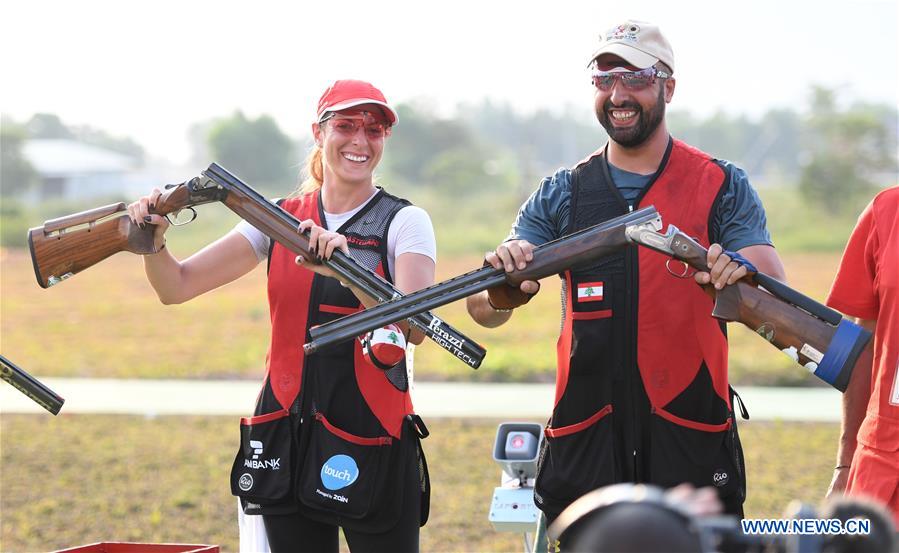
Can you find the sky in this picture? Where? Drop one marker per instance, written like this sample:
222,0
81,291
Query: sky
149,70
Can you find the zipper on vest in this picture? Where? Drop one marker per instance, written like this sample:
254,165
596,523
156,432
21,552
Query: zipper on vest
632,372
632,378
314,300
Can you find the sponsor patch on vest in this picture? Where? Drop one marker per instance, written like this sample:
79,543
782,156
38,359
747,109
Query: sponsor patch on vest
362,242
720,478
589,291
260,464
339,472
245,482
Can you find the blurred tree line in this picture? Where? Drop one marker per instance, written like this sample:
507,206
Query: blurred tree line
835,153
17,174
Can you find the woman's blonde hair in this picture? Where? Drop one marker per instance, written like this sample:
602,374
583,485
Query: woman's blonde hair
313,173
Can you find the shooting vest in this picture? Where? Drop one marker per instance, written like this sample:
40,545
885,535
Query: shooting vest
641,387
330,427
356,392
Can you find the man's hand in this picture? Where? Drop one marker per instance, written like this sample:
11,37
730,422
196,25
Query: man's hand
838,482
511,255
723,270
855,406
494,306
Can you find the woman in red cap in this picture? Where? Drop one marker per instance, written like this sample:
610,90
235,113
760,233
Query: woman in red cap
334,441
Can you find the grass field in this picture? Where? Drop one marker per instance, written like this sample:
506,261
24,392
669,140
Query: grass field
77,479
107,322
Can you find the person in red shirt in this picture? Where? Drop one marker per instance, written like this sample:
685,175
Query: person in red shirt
867,287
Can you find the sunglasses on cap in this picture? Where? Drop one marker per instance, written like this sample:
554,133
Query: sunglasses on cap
631,80
348,124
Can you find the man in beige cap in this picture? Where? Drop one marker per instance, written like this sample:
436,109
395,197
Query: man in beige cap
642,393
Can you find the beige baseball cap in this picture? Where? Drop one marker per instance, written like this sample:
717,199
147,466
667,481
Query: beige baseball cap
639,43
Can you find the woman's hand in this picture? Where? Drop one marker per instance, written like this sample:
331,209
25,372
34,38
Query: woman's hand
140,215
322,243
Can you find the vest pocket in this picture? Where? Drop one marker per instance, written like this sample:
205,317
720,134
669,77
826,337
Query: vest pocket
260,473
701,457
574,460
351,480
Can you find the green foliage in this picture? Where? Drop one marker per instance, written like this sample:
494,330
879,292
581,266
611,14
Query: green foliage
778,146
848,151
254,149
16,173
461,170
770,144
50,125
198,138
797,225
419,138
123,145
540,142
13,224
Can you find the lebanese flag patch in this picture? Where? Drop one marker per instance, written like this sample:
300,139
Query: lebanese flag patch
589,291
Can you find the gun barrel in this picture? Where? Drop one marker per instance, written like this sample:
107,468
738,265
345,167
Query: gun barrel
414,299
475,281
397,311
33,388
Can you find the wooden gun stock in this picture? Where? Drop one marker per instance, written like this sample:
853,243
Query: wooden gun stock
65,246
829,352
810,333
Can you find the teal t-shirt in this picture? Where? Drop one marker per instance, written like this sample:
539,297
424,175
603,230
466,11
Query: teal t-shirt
738,222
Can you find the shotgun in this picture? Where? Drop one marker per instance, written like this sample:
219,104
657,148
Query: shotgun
553,257
63,247
33,388
815,336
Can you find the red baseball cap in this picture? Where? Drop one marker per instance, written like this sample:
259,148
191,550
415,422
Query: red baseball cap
348,93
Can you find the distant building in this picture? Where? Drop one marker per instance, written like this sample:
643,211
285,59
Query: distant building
71,170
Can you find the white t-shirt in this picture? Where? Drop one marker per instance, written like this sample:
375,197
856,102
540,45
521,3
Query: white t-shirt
410,231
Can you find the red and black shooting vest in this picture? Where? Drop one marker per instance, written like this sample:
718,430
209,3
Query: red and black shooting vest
641,389
332,434
353,394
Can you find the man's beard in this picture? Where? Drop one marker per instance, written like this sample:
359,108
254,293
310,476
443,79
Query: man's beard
648,122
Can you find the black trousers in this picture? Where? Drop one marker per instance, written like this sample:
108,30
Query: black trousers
296,533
